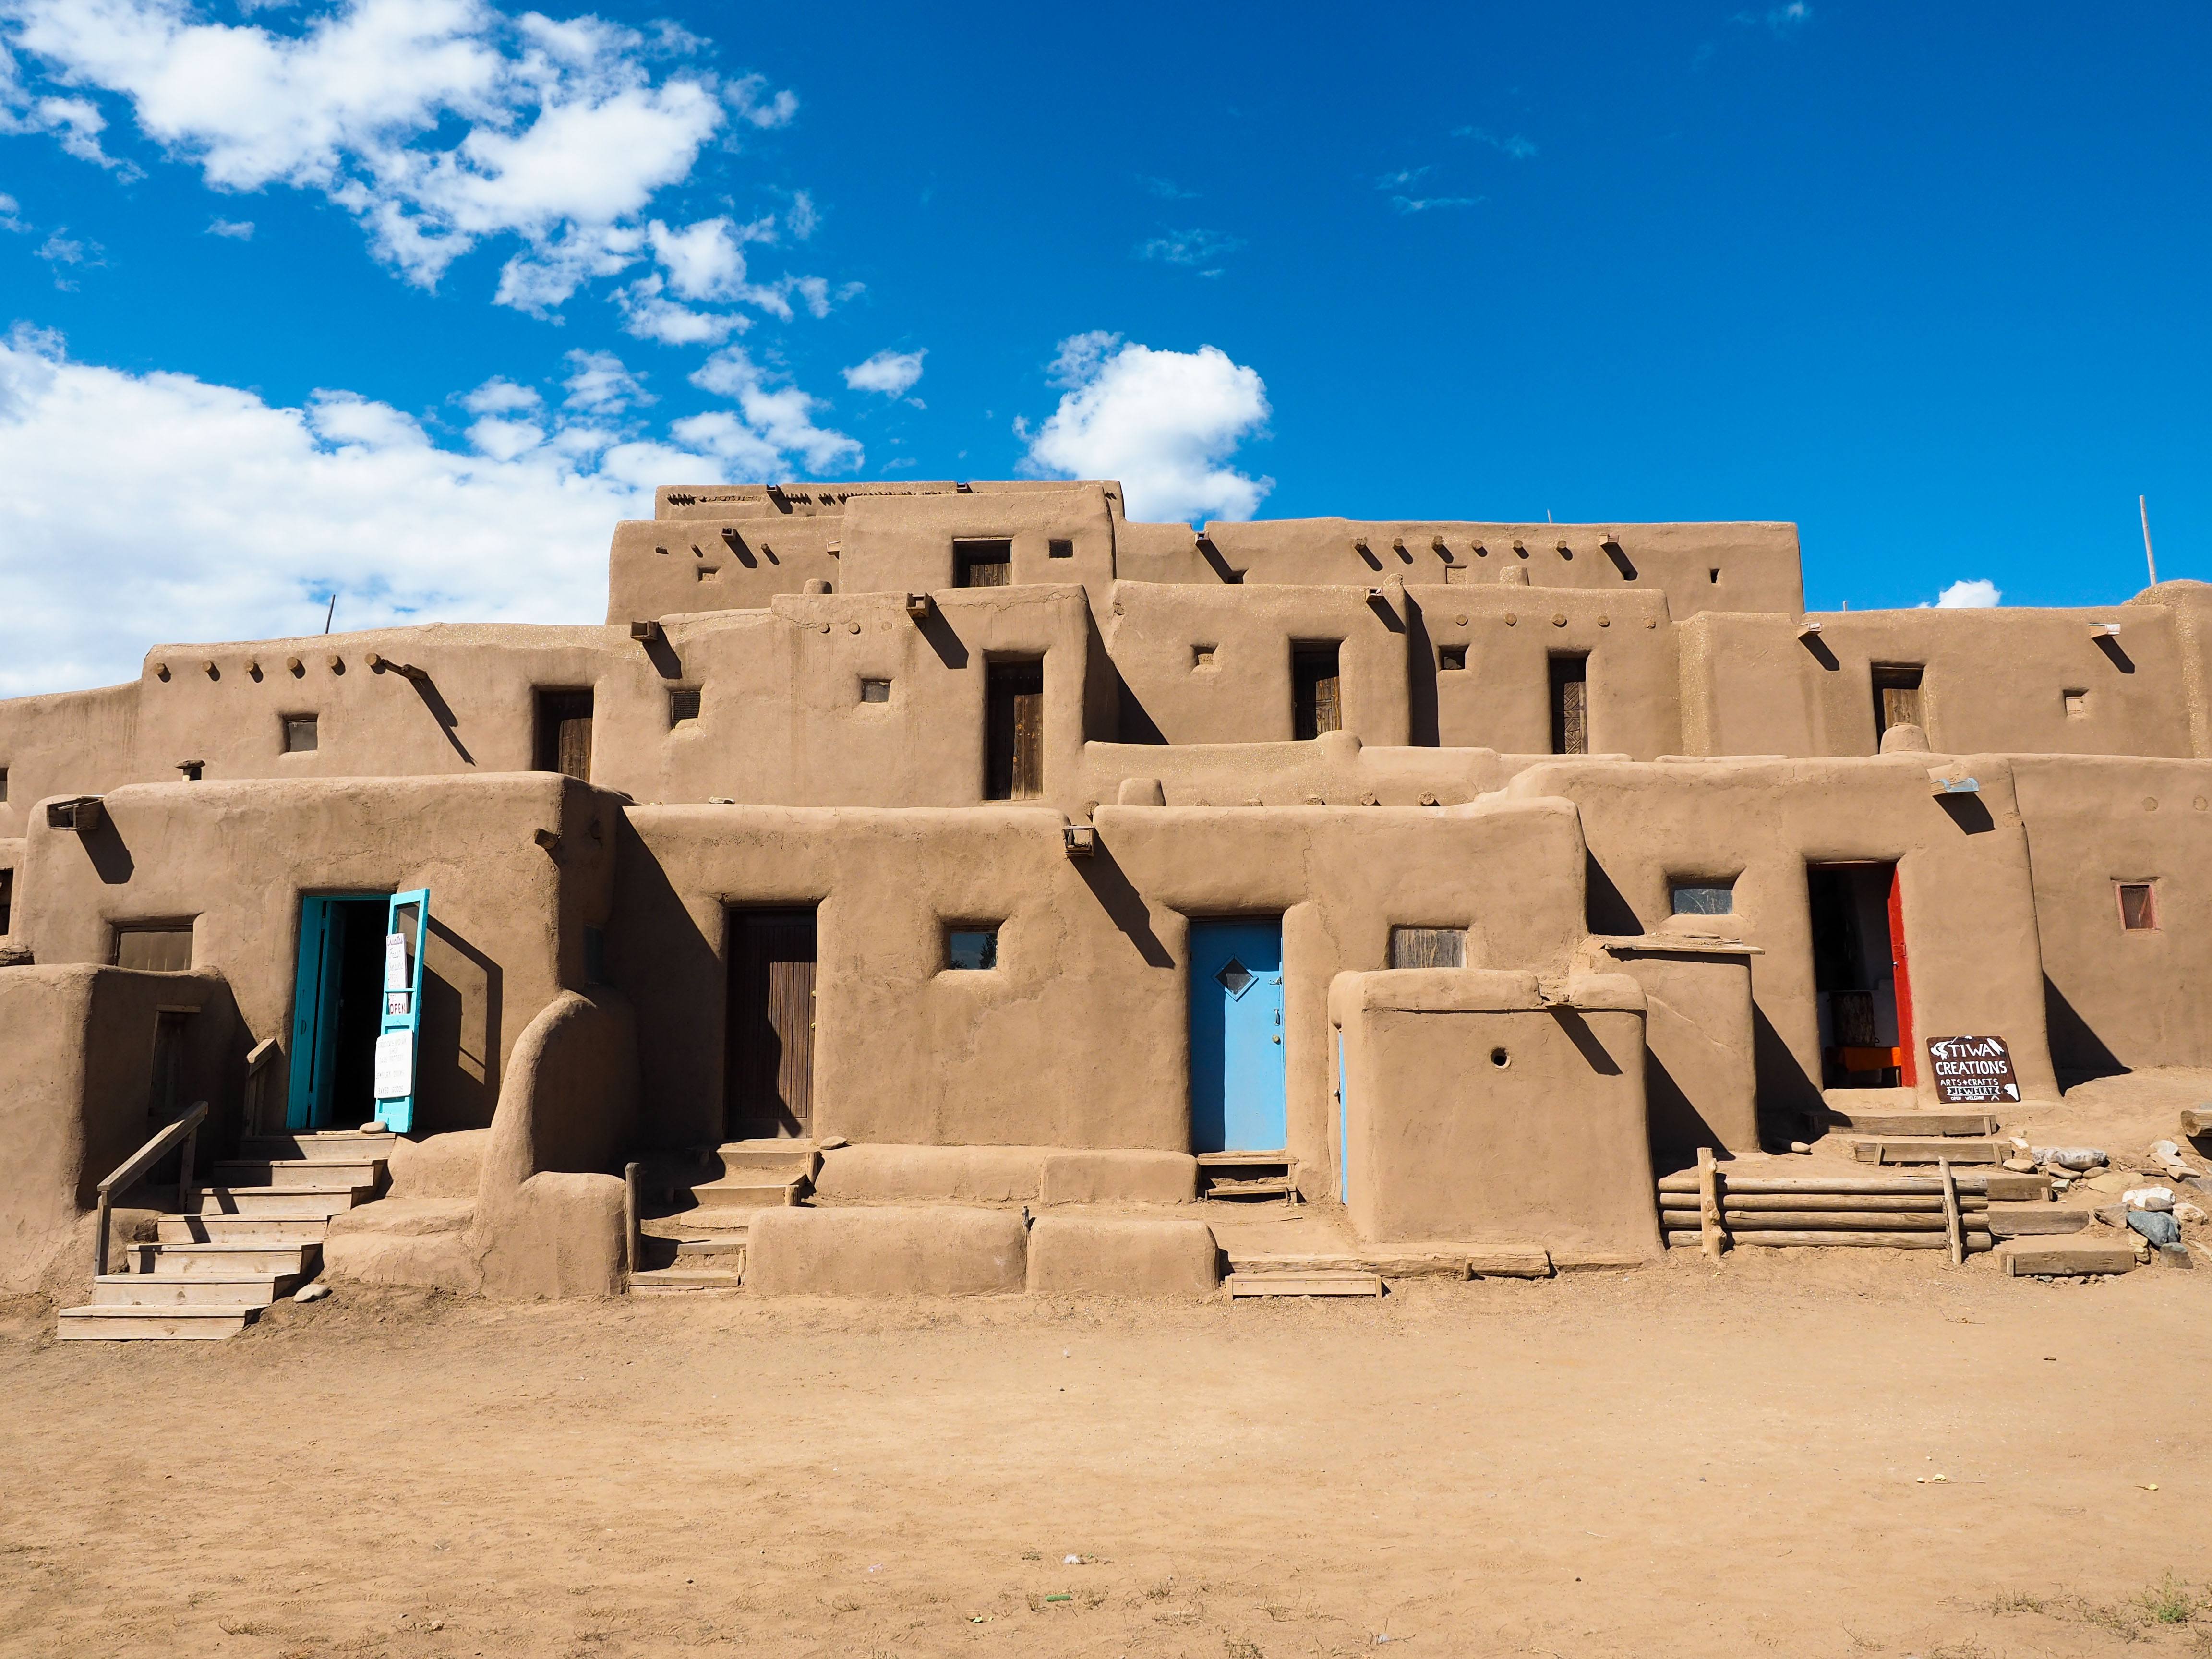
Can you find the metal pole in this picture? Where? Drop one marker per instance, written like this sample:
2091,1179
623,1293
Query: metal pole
2143,506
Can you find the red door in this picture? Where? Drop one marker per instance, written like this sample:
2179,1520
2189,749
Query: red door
1908,1068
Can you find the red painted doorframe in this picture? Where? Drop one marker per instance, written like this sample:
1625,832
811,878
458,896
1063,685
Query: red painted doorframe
1908,1070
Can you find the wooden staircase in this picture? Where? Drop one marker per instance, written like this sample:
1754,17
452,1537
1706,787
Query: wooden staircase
1248,1174
253,1234
695,1210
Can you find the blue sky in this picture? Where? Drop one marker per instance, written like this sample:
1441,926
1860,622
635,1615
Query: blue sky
1927,281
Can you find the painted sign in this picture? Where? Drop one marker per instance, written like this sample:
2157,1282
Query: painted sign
395,962
1973,1071
395,1065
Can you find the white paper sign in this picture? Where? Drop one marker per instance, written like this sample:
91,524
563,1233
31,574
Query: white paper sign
395,1065
395,962
395,1005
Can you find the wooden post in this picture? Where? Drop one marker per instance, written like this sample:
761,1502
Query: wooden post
632,1251
1951,1223
1712,1240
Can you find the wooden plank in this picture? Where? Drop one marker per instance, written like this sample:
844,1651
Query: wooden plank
1899,1150
1385,1263
1709,1205
1736,1203
1312,1283
1995,1184
1241,1160
1951,1215
1846,1221
1915,1123
1259,1186
2197,1122
2035,1220
1922,1240
2028,1257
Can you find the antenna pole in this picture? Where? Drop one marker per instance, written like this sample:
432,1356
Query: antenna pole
2143,506
333,612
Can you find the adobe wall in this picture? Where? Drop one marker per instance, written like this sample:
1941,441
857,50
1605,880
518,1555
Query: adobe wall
73,743
2120,999
507,914
1335,769
1970,917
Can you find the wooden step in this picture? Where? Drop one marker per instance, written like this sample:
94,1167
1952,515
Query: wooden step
191,1290
2069,1256
311,1229
687,1280
1993,1184
1257,1186
297,1172
1277,1158
98,1324
1915,1123
1321,1281
744,1193
323,1146
1889,1150
2035,1220
1496,1261
276,1201
1823,1239
251,1258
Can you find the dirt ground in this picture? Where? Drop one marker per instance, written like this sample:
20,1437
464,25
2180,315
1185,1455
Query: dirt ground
1676,1460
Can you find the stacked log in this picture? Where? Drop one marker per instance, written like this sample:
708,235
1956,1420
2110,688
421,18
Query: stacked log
1895,1212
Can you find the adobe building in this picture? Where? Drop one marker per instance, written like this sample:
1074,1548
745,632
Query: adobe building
990,877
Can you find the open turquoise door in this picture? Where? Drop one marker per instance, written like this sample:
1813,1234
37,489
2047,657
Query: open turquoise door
407,921
312,1044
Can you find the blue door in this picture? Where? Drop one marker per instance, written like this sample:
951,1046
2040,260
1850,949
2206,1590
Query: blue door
407,919
1237,1037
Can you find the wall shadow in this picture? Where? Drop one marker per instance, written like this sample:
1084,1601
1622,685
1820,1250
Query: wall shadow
1123,904
1420,677
1604,909
110,857
1784,1088
442,712
1579,1033
2077,1053
456,1054
950,649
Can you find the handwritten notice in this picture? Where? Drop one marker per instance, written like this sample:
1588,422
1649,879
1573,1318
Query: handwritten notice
395,1065
395,962
1973,1071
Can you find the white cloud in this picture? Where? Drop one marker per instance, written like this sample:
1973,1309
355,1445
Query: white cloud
703,261
782,418
438,124
601,384
259,509
1164,423
1190,248
890,373
1977,593
805,218
10,208
63,253
650,314
239,230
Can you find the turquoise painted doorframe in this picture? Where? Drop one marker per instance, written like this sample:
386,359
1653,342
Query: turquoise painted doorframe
315,988
407,923
1237,1071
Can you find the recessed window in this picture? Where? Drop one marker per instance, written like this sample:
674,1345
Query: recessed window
1059,548
971,949
2138,906
300,736
1451,657
982,564
2077,706
1703,898
163,947
1896,696
564,734
1202,656
875,690
1714,577
1428,947
683,706
3,783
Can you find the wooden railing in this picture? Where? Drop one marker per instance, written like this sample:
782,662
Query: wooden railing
184,1132
260,1066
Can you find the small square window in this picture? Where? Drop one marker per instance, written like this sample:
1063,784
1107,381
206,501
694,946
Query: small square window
683,706
709,573
971,948
302,736
1451,656
1060,550
1202,656
1714,577
1428,947
875,690
2077,705
1703,898
2138,906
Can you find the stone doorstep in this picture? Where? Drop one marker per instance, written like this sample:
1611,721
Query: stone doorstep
685,1280
327,1146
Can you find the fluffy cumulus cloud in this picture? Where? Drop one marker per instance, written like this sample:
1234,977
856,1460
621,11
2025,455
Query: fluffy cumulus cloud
1165,423
1976,594
438,124
892,373
234,518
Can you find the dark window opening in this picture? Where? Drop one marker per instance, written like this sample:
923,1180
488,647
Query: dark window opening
564,734
1428,947
1571,705
1896,698
982,564
683,706
1703,898
164,947
165,1098
1060,550
1014,757
3,783
1713,576
1859,978
301,735
7,899
595,956
1451,657
1316,696
2138,906
971,948
875,690
193,771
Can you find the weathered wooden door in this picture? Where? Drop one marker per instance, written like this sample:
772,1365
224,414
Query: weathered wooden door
1014,763
1571,705
771,1068
1316,698
564,734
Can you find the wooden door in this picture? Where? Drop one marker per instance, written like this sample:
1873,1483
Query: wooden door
564,734
1238,1075
1316,700
1571,705
1014,763
771,1067
1908,1068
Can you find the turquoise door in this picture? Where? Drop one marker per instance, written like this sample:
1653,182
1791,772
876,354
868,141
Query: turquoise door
407,919
315,1016
1237,1037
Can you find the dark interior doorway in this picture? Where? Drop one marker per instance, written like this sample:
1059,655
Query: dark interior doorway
341,1006
1316,690
1014,758
1860,976
564,734
770,1072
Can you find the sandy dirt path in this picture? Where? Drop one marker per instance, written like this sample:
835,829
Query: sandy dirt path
1675,1461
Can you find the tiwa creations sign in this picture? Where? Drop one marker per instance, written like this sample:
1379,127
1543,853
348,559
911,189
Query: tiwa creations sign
1972,1071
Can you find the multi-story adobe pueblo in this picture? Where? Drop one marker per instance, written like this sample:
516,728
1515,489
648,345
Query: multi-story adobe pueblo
1003,874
